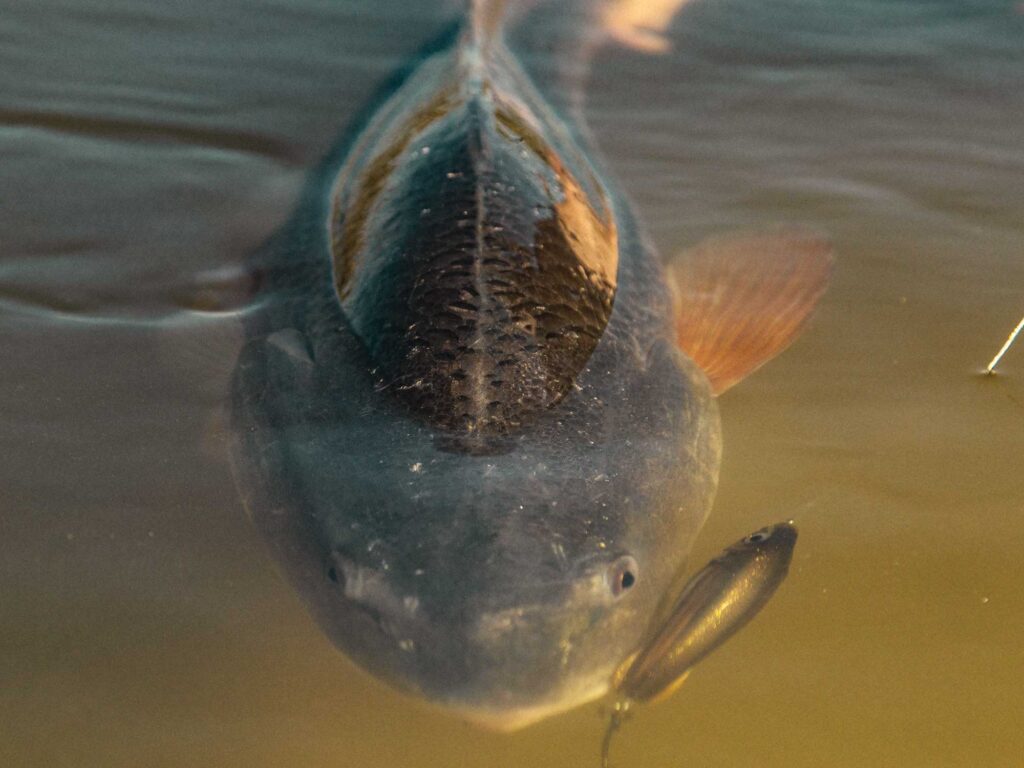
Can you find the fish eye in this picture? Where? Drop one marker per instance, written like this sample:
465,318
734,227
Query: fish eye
622,575
757,538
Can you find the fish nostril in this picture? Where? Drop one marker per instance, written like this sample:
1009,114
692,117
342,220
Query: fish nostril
332,574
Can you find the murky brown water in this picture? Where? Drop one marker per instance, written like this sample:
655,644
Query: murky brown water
141,621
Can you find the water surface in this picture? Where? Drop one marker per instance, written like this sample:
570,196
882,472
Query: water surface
144,143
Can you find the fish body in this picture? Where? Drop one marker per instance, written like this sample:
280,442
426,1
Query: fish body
715,604
463,419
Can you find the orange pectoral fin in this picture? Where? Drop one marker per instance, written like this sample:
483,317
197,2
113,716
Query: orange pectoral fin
743,298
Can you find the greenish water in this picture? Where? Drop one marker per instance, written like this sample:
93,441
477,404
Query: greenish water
142,143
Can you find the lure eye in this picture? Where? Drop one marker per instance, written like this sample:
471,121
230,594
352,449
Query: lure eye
757,538
622,575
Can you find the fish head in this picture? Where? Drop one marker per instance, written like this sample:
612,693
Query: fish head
504,587
505,619
503,643
774,541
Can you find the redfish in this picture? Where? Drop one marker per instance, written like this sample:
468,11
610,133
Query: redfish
475,415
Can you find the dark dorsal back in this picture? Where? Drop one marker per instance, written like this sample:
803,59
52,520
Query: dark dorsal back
474,266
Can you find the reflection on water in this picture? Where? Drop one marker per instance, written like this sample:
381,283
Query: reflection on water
145,144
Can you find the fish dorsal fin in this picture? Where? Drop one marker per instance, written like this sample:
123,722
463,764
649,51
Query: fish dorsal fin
486,18
743,298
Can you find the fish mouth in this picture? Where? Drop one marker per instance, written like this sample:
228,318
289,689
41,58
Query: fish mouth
501,669
501,700
516,717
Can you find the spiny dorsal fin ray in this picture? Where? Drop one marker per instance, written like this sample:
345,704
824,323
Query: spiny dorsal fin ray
485,20
743,298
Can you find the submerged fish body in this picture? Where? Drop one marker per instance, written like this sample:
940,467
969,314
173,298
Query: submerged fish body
712,606
462,418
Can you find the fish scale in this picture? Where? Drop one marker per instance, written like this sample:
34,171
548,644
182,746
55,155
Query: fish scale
466,277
